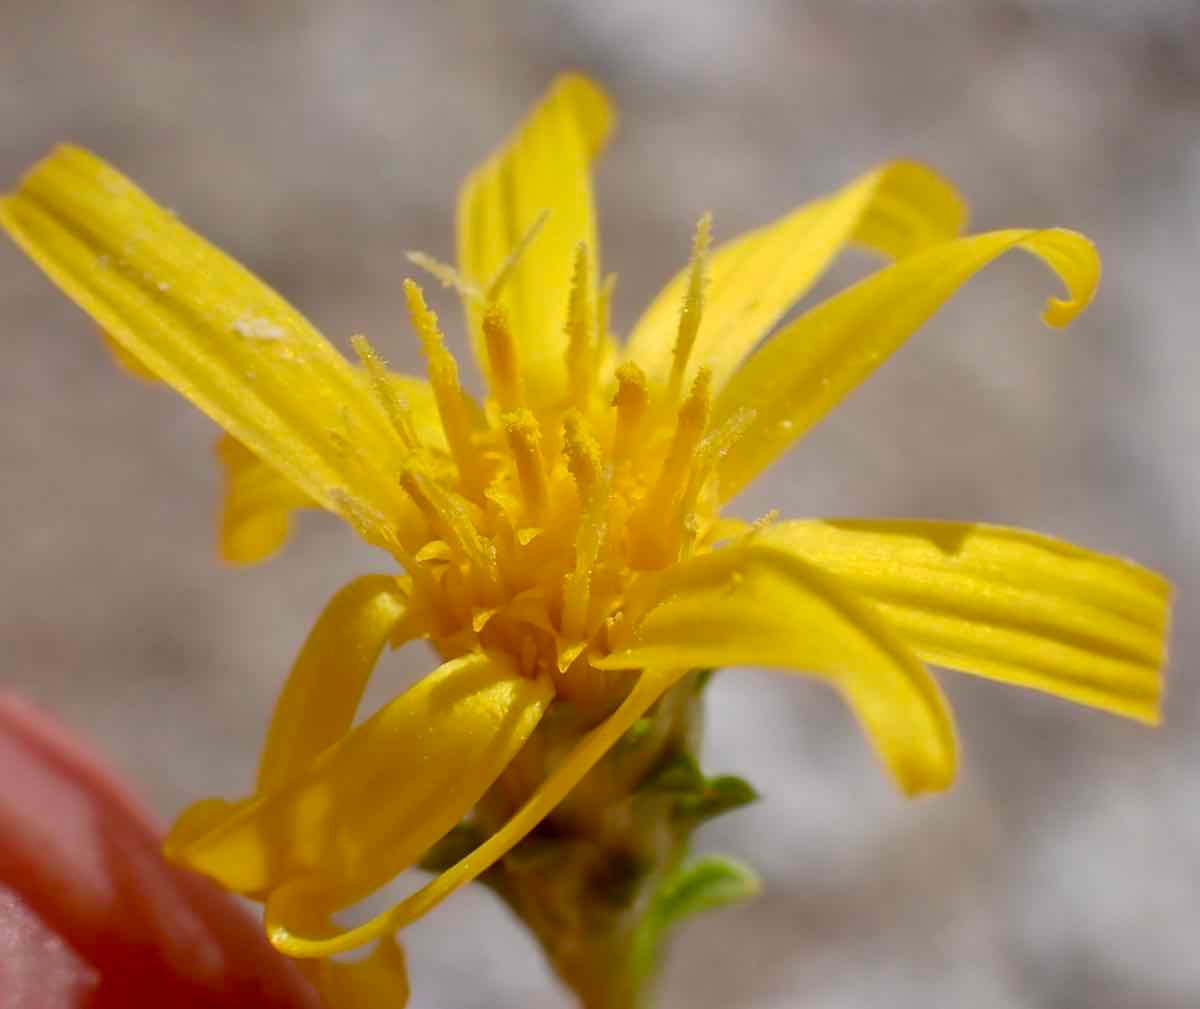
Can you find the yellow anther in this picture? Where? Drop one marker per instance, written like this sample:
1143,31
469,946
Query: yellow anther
525,444
503,364
633,395
448,393
384,392
583,454
496,285
693,306
581,350
445,274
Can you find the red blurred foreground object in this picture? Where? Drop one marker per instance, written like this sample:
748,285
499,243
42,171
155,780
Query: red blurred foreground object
91,917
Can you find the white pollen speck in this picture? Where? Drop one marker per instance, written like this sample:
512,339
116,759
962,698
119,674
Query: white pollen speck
164,285
258,329
787,425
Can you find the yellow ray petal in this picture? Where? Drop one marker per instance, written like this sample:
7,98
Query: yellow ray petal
755,603
259,500
1005,604
258,504
289,918
317,705
812,363
545,165
210,329
897,209
126,360
378,982
368,806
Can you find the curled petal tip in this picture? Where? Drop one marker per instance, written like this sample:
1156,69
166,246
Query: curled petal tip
1077,261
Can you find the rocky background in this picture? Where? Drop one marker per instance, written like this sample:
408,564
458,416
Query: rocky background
318,141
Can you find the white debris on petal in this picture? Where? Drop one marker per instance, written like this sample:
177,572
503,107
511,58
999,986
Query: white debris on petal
259,329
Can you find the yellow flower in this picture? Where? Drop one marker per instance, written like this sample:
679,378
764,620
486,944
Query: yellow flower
562,542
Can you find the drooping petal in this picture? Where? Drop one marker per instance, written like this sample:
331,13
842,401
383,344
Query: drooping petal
755,603
1005,604
544,166
812,363
897,209
316,707
210,329
368,806
289,915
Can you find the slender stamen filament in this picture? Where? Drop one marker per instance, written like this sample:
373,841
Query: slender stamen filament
448,393
655,526
385,394
689,429
580,321
708,454
445,274
451,518
693,307
583,462
497,283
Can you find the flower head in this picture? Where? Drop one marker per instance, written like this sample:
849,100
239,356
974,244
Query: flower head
562,543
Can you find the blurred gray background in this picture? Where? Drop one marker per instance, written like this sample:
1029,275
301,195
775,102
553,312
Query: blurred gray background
318,141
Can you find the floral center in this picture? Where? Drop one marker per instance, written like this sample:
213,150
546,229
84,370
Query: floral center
536,521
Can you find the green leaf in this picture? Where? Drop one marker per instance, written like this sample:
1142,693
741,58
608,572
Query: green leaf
704,884
719,795
638,731
679,774
709,882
